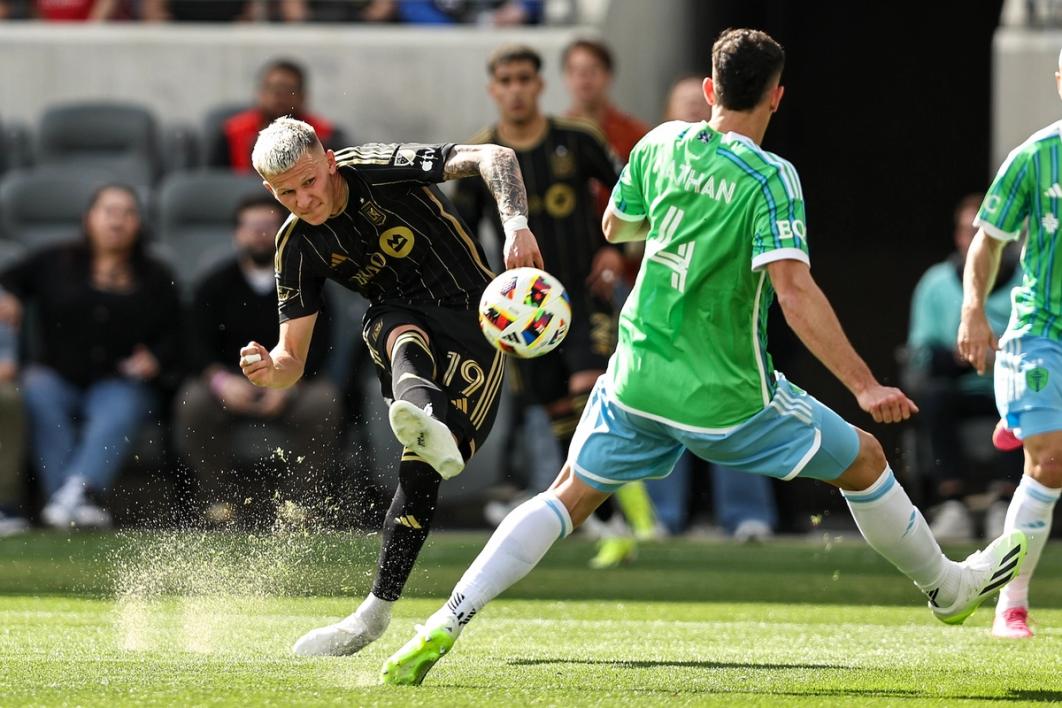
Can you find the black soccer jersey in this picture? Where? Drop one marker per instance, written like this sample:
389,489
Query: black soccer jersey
398,240
561,211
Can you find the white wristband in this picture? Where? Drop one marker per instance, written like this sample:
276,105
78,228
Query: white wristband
514,224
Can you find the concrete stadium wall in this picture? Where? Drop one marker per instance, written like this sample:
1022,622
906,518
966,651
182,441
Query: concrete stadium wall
379,83
1024,98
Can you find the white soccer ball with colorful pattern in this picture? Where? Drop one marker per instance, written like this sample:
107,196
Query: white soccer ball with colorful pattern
525,312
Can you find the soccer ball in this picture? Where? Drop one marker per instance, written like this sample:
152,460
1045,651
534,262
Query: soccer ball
525,312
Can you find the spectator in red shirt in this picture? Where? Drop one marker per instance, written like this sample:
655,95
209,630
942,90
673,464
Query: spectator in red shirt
588,71
77,10
281,92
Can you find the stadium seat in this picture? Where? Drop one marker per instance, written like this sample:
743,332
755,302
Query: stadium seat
121,138
212,122
44,205
194,214
10,251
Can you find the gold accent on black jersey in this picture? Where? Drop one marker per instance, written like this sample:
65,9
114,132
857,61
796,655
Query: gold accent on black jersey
456,223
281,241
580,124
486,400
337,259
368,154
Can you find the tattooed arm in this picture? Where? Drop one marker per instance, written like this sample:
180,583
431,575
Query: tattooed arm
499,169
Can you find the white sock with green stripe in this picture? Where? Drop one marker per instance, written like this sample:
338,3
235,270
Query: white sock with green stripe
518,544
1030,511
895,528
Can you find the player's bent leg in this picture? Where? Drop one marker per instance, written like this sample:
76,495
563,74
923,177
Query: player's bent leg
418,413
1031,510
517,546
896,529
405,529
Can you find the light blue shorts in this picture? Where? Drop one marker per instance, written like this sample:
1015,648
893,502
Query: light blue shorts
795,435
1028,379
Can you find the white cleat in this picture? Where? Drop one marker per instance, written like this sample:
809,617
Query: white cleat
427,436
981,574
340,639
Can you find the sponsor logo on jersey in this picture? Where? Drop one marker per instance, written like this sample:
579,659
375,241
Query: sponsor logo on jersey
559,201
284,293
337,259
397,242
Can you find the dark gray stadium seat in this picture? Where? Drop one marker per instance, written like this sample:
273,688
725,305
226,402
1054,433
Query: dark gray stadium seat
121,138
10,251
194,215
212,122
44,205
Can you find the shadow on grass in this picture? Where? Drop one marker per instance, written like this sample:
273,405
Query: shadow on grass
1011,695
652,664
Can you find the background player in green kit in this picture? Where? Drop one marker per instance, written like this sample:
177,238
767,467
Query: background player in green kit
724,227
1028,363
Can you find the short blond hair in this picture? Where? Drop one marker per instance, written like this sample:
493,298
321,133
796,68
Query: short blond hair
280,145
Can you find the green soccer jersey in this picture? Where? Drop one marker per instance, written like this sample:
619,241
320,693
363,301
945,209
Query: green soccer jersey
1028,187
693,334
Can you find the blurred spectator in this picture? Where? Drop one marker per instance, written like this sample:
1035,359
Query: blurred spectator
232,305
281,92
948,390
497,13
104,317
200,10
338,10
588,73
79,10
12,436
744,504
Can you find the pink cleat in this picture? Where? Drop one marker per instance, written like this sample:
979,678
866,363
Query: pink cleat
1003,439
1012,624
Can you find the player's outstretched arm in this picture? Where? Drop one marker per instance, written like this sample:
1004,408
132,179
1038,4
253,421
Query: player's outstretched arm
810,315
499,168
975,337
282,367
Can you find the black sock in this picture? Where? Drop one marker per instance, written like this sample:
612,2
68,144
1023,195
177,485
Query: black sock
413,374
406,526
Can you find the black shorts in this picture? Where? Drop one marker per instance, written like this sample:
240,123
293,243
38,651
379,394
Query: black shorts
468,368
590,342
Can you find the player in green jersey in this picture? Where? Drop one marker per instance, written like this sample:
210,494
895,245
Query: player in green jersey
723,222
1028,358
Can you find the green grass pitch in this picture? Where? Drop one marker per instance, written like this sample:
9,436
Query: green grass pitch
167,619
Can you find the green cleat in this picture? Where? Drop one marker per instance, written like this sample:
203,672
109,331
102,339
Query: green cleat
409,665
613,551
982,574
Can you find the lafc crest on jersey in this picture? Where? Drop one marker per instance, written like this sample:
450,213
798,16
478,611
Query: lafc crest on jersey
373,213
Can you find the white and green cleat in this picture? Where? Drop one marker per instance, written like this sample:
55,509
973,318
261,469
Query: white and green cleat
409,665
981,574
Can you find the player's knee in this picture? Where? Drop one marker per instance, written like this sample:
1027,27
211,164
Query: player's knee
867,467
398,331
1048,469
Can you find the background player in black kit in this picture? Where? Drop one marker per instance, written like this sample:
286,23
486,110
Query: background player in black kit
372,219
558,159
